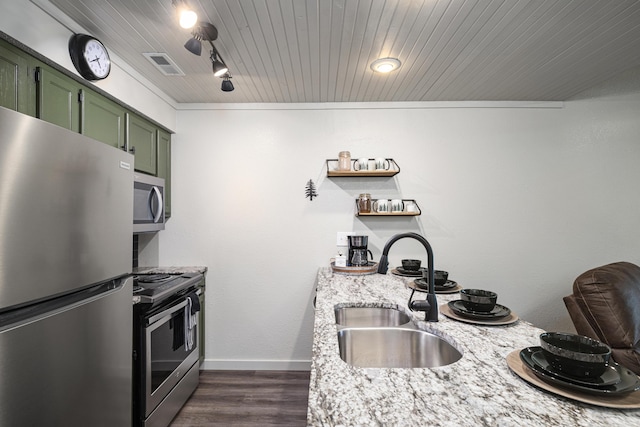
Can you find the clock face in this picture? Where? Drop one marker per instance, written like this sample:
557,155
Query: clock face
97,58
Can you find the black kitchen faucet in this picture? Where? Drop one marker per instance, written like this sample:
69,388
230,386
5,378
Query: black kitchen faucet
430,304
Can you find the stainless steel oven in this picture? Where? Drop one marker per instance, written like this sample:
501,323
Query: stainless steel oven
166,353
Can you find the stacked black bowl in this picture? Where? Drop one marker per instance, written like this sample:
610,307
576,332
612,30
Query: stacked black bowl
575,355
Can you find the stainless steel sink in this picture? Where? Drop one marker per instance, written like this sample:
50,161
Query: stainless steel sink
394,347
370,316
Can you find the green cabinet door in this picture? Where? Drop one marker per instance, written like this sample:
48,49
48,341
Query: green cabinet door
17,82
102,119
58,99
164,167
141,142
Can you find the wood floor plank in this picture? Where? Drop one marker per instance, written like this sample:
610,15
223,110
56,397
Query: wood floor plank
248,399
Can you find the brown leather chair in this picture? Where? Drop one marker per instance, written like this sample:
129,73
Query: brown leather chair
605,305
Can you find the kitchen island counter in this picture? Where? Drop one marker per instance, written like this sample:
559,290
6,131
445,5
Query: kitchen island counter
479,389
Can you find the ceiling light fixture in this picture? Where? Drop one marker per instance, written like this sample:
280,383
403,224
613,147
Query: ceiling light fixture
227,86
186,16
385,65
219,68
203,31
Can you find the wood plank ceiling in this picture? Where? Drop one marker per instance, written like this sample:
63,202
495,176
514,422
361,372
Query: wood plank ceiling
296,51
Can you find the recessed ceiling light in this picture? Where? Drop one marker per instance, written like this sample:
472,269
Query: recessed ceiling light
385,65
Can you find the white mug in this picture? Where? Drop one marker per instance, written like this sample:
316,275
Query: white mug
381,205
411,207
382,163
361,164
397,205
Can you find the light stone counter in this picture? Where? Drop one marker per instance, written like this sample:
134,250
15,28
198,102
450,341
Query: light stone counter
478,390
170,270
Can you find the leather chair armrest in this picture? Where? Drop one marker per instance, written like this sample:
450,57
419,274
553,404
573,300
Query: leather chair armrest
580,322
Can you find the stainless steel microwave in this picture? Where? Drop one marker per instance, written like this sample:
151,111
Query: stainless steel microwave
148,203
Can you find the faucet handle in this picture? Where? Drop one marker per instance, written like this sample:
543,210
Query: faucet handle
420,305
429,306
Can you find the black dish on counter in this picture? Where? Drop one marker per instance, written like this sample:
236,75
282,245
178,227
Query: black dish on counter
498,311
410,273
609,377
440,277
423,284
478,300
411,264
575,355
628,380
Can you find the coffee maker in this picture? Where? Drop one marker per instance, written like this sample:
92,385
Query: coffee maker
358,252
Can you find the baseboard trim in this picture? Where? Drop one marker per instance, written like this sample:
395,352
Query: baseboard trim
256,365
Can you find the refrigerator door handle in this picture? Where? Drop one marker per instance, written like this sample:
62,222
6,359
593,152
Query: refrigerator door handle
157,196
24,316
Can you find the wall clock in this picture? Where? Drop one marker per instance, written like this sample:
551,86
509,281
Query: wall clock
89,56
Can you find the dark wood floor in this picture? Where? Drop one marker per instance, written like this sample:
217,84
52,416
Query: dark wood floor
248,399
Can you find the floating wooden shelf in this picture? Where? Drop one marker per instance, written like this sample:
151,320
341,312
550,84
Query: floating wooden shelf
332,170
403,213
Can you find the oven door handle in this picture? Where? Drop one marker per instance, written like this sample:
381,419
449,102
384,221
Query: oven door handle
167,313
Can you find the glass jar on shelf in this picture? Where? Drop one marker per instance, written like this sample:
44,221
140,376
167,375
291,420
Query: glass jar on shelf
344,161
364,203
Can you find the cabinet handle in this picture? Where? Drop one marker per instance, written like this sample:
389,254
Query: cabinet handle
132,150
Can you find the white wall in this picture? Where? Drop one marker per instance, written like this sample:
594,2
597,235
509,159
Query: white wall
517,200
32,26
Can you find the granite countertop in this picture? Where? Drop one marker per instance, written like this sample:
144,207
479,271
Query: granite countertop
478,390
169,270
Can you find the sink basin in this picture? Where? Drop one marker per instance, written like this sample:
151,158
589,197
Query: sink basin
394,348
370,316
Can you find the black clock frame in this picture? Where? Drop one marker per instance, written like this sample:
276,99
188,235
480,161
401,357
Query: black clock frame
77,42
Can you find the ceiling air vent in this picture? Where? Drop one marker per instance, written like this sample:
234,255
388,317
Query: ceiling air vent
165,64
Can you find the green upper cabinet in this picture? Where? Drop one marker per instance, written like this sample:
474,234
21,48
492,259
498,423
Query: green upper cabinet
164,167
31,85
17,82
58,100
142,143
102,119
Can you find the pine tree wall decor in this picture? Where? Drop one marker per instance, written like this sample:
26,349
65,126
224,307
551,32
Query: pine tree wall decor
310,190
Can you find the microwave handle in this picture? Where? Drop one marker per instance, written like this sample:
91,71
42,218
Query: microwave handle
158,197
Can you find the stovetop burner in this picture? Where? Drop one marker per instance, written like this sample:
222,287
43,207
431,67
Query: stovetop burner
154,288
152,278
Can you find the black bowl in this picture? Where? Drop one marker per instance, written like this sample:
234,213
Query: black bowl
575,355
411,264
440,277
478,300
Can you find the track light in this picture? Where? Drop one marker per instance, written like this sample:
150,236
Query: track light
219,68
227,86
194,46
186,15
188,18
203,31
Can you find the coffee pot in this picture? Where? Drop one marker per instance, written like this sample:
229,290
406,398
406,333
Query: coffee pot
358,252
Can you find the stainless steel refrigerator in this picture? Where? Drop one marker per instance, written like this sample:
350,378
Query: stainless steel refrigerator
66,204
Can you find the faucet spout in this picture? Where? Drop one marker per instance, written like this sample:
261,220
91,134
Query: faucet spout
430,306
